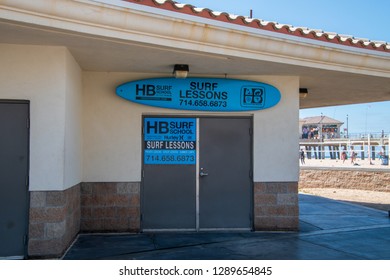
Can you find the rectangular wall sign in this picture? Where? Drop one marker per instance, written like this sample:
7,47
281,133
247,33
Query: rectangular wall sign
169,141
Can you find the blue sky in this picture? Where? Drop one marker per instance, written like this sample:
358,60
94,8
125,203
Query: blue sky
359,18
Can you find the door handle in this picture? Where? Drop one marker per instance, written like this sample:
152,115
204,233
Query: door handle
202,173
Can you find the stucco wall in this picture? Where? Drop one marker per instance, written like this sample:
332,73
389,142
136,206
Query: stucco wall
50,78
73,153
113,126
112,131
81,131
276,139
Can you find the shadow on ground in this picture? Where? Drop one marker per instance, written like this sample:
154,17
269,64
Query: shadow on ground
329,230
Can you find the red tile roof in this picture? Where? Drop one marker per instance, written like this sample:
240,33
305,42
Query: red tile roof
302,32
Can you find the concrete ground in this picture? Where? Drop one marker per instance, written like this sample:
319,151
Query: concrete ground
329,230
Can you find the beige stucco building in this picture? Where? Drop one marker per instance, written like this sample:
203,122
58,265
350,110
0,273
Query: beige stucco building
85,169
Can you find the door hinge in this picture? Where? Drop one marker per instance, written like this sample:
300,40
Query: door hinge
28,123
25,239
250,174
27,181
250,131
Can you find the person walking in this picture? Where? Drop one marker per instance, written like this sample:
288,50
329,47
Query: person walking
343,156
302,155
353,156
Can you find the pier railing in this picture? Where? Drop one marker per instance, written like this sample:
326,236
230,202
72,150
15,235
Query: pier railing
373,135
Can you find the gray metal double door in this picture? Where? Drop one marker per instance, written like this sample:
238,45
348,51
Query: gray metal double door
14,143
215,193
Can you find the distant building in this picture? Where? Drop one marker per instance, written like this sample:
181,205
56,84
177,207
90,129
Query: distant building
319,127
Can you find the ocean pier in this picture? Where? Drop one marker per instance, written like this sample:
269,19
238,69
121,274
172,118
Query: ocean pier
369,146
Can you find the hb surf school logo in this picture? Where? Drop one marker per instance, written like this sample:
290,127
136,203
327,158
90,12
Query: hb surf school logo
252,96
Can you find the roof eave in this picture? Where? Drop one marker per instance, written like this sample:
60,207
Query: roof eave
274,27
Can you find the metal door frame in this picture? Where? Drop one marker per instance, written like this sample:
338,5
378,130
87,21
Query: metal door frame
27,216
197,167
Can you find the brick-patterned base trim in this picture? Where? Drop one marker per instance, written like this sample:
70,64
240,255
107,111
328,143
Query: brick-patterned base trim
110,207
276,206
56,217
54,221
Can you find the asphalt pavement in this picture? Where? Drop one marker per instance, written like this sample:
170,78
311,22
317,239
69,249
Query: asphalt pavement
329,230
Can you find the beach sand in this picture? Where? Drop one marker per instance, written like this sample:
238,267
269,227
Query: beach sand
374,199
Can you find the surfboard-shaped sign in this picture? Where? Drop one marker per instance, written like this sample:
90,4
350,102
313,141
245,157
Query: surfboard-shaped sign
201,94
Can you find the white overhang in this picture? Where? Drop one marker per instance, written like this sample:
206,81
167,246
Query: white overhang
119,36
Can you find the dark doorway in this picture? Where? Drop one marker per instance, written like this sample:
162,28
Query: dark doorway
14,162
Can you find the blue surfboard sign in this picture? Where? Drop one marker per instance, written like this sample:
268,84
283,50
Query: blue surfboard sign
201,94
